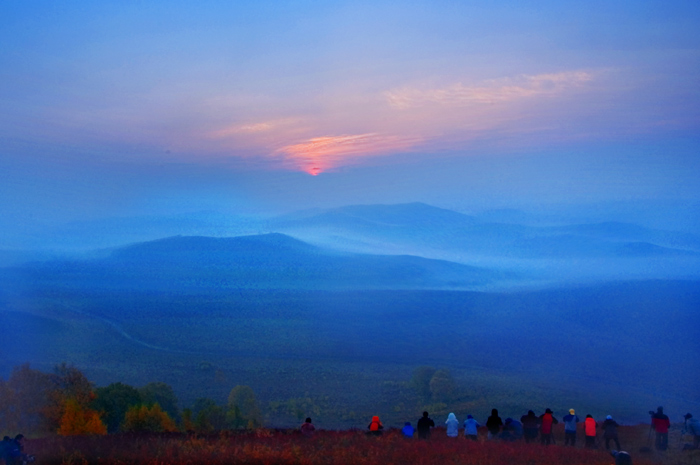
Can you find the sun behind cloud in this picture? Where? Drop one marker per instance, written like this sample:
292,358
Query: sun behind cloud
320,154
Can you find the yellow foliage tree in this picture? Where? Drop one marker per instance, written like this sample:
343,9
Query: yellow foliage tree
143,418
78,420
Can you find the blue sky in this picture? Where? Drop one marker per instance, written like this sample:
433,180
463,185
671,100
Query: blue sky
125,108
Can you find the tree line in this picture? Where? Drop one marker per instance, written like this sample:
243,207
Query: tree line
67,403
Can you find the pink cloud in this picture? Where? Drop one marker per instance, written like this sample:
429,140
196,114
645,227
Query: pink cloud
322,153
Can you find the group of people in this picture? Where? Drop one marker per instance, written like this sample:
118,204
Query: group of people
12,450
530,426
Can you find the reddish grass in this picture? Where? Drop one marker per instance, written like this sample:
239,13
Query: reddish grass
327,447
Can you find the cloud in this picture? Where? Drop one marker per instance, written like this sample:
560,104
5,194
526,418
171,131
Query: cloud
319,154
490,91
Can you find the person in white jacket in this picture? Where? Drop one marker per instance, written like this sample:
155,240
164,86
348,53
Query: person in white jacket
452,425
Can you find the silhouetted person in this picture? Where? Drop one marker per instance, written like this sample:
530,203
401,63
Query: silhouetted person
307,428
692,427
589,428
452,425
471,428
407,430
375,426
531,425
570,421
15,452
610,432
493,424
621,457
5,448
546,421
661,423
424,425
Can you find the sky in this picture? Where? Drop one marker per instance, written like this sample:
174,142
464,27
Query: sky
264,107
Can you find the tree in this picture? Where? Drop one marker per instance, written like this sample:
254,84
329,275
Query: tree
243,409
142,418
421,381
208,416
68,383
24,401
114,401
442,386
163,395
78,420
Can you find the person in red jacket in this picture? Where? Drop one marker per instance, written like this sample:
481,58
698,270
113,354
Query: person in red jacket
589,427
661,423
546,422
375,427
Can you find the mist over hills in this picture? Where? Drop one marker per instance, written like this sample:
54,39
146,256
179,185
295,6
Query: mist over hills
272,261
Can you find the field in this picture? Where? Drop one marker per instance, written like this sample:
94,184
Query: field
326,447
344,356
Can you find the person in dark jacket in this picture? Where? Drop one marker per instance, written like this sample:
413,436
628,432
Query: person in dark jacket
493,424
15,452
546,421
570,421
621,457
531,426
661,423
610,432
5,448
424,425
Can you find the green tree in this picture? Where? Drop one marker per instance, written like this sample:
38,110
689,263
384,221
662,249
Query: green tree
142,418
243,409
208,416
114,401
163,395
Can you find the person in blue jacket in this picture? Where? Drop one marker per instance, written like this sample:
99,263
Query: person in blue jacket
471,428
407,430
570,421
512,430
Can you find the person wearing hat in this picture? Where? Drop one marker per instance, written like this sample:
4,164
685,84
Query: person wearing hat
570,421
610,432
692,427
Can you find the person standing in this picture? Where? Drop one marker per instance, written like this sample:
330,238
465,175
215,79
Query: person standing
375,426
452,425
661,423
547,420
424,425
471,428
570,422
692,427
610,432
589,428
493,424
531,425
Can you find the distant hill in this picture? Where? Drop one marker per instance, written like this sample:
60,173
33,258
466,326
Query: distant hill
252,262
421,229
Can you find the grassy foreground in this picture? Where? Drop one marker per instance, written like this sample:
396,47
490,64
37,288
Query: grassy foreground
274,447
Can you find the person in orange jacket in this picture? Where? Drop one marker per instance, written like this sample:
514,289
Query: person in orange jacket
661,423
375,427
546,422
589,427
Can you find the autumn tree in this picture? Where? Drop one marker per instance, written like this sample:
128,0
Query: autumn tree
243,411
142,418
68,382
79,420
